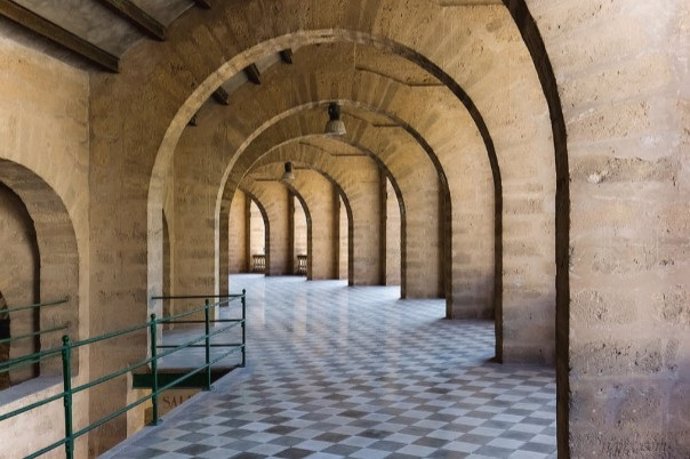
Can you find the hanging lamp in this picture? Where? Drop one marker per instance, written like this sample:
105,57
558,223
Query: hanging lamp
335,125
288,175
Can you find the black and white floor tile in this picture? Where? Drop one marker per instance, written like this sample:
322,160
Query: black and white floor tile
337,371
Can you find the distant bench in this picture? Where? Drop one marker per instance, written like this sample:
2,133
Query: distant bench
259,263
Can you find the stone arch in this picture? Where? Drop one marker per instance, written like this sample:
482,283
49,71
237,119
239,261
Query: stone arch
272,200
259,146
375,22
312,157
215,78
534,42
20,273
58,255
262,210
432,69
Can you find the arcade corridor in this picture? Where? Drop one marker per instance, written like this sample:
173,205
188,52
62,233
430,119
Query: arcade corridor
356,372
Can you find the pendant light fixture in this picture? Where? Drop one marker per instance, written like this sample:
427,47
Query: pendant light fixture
288,175
335,125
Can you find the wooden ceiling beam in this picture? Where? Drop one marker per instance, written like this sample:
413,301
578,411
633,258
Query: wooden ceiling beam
253,74
203,4
286,55
55,33
221,96
137,17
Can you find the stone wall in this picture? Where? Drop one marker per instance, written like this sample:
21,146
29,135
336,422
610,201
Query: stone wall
44,160
622,74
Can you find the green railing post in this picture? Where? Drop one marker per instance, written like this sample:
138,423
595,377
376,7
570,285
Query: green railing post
207,324
244,328
67,396
154,369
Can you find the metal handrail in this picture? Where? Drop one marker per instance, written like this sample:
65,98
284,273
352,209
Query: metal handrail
36,357
29,359
196,297
66,352
35,306
31,335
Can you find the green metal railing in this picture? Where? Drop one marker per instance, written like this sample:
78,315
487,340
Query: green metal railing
66,353
36,357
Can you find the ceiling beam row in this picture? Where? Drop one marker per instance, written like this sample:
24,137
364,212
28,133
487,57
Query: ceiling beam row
56,33
205,4
253,74
137,17
286,56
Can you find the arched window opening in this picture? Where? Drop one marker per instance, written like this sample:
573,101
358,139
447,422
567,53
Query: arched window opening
299,237
343,240
167,274
238,230
257,238
393,232
19,286
4,346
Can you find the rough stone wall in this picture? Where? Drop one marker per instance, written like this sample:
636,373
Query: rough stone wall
44,159
622,73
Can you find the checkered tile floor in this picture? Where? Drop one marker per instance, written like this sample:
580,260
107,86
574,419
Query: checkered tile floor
337,371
